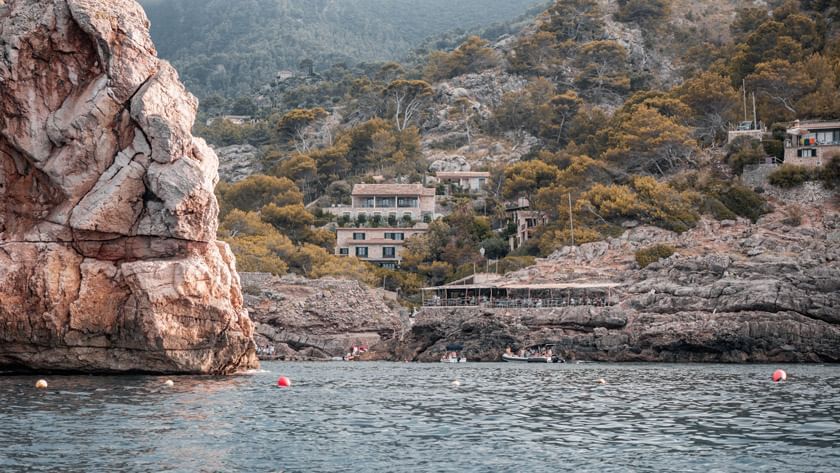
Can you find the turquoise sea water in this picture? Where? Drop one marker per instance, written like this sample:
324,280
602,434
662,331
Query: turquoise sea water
379,417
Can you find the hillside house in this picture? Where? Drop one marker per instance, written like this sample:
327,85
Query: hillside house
380,246
812,143
389,203
525,220
463,181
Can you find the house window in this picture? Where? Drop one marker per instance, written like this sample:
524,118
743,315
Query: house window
389,265
386,202
368,202
389,252
807,153
344,251
362,252
407,202
395,236
408,216
427,217
358,236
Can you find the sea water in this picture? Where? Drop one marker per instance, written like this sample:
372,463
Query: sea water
381,417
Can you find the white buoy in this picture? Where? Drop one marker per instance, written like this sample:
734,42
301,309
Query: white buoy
456,383
601,381
169,383
41,384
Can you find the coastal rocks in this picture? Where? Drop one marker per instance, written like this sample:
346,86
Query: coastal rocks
303,319
238,162
711,302
108,258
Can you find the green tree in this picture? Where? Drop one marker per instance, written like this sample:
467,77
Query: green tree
294,126
256,192
407,98
525,178
293,221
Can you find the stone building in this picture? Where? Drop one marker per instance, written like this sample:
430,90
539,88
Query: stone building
526,221
389,203
463,181
381,246
812,143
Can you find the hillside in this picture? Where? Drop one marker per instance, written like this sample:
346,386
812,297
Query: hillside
230,47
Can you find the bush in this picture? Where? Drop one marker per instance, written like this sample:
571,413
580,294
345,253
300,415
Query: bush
830,174
741,200
652,254
793,216
789,176
716,209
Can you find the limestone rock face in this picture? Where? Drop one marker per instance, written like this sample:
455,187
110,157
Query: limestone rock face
108,258
733,292
303,319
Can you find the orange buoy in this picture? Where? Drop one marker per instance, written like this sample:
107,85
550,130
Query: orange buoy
41,384
779,375
284,382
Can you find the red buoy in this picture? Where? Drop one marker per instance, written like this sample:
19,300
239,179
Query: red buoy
284,382
779,375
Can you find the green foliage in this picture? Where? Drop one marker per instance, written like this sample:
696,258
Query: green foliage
233,47
743,152
741,200
524,178
789,176
470,57
256,192
830,174
643,12
652,254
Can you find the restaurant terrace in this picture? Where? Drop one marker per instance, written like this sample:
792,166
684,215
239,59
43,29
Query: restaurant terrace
489,293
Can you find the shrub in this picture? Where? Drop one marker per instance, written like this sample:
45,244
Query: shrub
652,254
716,209
793,216
741,200
789,176
830,174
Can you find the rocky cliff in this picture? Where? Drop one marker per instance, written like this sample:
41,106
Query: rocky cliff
733,292
304,319
108,253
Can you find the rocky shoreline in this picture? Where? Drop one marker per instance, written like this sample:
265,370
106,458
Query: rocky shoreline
734,292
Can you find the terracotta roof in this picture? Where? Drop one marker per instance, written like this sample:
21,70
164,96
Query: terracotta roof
393,189
457,174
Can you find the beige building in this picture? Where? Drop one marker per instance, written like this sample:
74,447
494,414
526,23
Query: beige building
526,221
463,181
812,143
389,202
381,246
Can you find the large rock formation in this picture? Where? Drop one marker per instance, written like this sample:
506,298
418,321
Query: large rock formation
304,319
108,253
734,292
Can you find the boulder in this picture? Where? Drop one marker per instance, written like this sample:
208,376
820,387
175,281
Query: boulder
108,253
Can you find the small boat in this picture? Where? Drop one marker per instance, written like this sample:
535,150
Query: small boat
453,354
453,359
535,354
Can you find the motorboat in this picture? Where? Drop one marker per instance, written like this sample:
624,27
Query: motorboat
454,354
535,354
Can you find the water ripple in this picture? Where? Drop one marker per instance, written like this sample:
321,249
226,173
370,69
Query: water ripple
409,417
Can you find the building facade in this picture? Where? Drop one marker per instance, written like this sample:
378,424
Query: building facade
463,181
380,246
812,143
525,220
394,203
